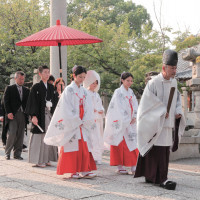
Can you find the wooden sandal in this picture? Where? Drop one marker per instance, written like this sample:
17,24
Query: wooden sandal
89,175
122,172
76,176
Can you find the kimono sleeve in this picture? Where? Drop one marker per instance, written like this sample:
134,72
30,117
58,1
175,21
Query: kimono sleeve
65,120
151,86
88,118
99,103
32,106
116,120
135,106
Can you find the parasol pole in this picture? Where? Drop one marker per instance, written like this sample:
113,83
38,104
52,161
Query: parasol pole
59,46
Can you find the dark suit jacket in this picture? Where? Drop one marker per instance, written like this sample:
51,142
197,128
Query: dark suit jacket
12,101
5,126
37,103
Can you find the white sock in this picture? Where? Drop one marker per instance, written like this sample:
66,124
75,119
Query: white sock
133,168
85,173
165,182
120,167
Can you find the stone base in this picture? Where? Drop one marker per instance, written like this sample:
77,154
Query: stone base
188,148
185,151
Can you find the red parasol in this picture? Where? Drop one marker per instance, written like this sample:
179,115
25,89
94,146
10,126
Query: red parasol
58,35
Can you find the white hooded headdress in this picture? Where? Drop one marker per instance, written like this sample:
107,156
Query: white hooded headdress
90,78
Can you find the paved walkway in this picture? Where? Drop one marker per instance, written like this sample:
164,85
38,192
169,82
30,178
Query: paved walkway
19,180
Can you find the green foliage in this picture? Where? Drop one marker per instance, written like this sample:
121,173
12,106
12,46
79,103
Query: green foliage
143,65
117,23
185,40
110,12
14,26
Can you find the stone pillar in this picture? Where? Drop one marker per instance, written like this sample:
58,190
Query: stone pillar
192,100
36,77
197,108
58,11
12,79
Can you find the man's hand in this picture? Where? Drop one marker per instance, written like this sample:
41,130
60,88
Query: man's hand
34,120
167,115
10,116
178,116
1,119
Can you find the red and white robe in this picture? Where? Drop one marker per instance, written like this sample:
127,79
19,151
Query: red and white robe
119,133
70,128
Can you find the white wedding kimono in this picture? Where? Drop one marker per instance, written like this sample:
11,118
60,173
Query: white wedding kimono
153,128
64,128
118,118
97,133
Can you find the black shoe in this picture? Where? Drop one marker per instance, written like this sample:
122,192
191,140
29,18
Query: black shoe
148,181
7,157
18,158
169,185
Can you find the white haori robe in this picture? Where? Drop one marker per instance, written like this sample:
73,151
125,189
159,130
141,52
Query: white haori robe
64,128
97,132
118,119
152,126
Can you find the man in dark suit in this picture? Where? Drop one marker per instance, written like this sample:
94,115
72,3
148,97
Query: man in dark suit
15,99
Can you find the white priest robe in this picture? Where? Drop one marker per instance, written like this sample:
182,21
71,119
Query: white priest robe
152,126
97,132
64,128
118,119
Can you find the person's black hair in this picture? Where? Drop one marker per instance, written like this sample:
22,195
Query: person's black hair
51,78
19,73
41,68
125,75
78,70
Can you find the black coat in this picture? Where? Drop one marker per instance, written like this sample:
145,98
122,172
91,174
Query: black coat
5,126
12,101
37,103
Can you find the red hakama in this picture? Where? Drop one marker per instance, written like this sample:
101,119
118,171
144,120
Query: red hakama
120,155
77,161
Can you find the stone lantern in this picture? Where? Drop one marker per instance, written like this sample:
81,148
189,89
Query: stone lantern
190,142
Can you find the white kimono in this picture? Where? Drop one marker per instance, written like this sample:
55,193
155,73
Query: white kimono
118,118
153,128
97,133
64,128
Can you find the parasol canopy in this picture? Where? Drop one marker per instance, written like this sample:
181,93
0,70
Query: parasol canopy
58,35
54,35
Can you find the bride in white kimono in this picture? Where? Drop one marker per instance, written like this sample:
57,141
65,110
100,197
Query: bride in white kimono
71,127
92,83
120,127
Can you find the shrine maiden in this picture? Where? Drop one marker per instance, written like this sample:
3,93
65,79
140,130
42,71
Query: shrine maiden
71,127
120,127
92,83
